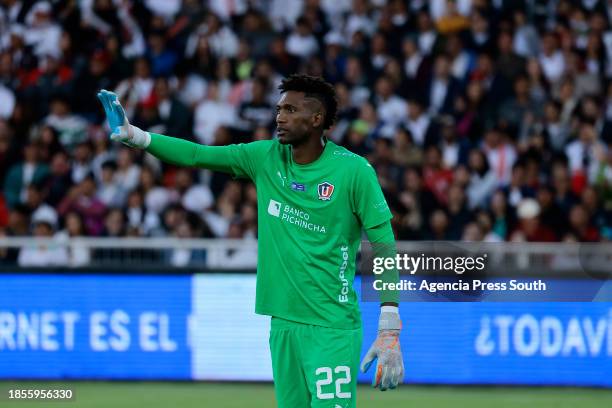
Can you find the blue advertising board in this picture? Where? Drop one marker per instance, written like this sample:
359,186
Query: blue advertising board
503,343
176,327
93,326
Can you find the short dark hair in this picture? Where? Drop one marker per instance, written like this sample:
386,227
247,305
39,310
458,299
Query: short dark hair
314,87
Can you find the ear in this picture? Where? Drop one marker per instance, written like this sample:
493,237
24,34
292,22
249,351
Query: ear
317,119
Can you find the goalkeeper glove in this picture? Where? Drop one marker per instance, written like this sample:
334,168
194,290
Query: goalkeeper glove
386,348
121,129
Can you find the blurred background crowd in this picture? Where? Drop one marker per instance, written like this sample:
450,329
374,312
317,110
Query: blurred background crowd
485,120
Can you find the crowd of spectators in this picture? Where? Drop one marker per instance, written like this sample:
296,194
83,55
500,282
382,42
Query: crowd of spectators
485,120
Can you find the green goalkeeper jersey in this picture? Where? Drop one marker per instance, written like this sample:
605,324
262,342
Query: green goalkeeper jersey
310,218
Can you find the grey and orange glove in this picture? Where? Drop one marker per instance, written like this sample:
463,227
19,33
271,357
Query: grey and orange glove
386,349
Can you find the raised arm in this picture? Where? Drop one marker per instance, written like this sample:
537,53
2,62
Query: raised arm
240,159
185,153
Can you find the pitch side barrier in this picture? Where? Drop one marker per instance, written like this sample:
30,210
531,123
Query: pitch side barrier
141,318
423,258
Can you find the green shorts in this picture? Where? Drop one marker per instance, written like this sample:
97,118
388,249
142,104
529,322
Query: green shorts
314,366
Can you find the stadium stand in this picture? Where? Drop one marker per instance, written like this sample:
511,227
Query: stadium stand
485,121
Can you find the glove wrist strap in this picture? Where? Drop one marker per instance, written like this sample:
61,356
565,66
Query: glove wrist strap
389,321
390,309
139,137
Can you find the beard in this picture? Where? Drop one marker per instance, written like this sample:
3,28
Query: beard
293,139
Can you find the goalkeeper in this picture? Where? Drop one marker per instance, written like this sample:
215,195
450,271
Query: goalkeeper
314,198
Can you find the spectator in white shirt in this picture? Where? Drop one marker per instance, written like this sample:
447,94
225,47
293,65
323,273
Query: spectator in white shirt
109,189
212,113
460,59
359,20
99,14
190,87
227,9
81,164
600,172
71,128
139,219
482,182
427,33
241,258
128,172
443,87
413,58
556,132
43,226
156,197
501,155
581,152
78,254
89,11
284,13
10,13
195,197
42,33
301,42
379,55
7,102
417,121
526,39
354,76
551,58
336,8
479,37
13,41
391,109
223,42
165,8
439,8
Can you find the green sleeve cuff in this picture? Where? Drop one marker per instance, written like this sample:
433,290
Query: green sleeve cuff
383,246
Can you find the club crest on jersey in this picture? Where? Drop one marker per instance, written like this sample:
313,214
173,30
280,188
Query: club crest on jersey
325,191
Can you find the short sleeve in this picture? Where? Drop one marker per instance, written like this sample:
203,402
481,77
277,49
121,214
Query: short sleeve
369,204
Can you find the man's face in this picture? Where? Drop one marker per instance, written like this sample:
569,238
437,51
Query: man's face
384,88
43,230
161,89
442,67
296,117
88,187
587,133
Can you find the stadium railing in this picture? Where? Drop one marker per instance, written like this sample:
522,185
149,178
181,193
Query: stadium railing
515,258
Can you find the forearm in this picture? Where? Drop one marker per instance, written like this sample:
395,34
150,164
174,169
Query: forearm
386,348
184,153
383,246
230,159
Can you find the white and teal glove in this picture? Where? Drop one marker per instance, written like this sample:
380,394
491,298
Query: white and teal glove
386,348
121,129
